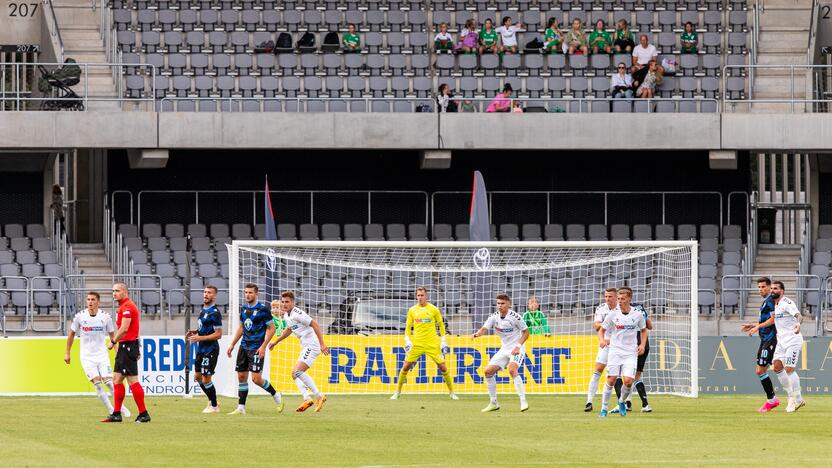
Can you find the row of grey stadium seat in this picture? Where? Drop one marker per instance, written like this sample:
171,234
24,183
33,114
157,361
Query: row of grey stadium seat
436,5
20,230
398,20
441,231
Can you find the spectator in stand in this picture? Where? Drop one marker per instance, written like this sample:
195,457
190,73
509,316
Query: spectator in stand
552,37
502,101
624,39
444,99
443,41
648,87
469,39
621,83
576,39
599,39
467,105
689,40
489,38
508,35
351,40
643,53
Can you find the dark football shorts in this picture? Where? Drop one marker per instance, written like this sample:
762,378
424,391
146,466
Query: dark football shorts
127,358
249,361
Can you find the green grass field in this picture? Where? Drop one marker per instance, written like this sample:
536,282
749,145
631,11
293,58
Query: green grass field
417,430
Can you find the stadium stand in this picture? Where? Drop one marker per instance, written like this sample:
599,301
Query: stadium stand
213,50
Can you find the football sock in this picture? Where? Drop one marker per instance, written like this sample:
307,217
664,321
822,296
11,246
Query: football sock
109,384
201,385
520,386
768,387
605,396
642,392
593,386
491,384
118,397
625,392
618,385
268,387
448,382
785,381
402,378
242,393
306,385
138,396
211,393
795,386
102,395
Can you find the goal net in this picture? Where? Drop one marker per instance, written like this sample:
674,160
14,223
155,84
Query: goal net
359,293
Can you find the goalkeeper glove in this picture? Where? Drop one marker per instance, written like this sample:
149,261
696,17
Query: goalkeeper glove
407,344
444,347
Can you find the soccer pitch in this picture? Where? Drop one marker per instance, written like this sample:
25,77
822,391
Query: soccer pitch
417,430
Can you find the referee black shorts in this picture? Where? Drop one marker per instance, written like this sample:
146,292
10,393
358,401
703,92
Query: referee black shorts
127,358
642,359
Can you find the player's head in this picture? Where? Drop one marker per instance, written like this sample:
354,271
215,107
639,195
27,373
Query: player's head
209,295
764,286
120,292
93,300
611,297
503,303
533,304
777,289
287,301
422,295
625,295
250,291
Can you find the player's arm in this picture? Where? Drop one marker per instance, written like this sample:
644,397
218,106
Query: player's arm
122,330
317,329
443,345
194,337
643,341
649,324
799,318
261,351
523,339
69,340
286,332
758,326
237,335
482,331
408,332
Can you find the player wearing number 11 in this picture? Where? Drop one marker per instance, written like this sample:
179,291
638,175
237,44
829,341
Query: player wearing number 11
423,318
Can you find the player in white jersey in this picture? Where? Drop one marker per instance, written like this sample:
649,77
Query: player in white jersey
624,324
300,324
93,326
610,303
513,333
786,319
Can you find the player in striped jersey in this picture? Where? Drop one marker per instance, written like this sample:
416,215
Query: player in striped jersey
513,333
610,303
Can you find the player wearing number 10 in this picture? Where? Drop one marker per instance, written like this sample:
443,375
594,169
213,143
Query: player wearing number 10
423,318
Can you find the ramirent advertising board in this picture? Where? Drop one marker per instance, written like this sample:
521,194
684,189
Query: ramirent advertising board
370,364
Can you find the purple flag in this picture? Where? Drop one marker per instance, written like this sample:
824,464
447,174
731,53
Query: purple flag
268,214
479,225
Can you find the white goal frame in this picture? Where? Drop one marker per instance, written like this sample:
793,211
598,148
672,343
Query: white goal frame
228,385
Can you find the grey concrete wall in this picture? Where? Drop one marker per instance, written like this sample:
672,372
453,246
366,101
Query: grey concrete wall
580,131
18,29
54,130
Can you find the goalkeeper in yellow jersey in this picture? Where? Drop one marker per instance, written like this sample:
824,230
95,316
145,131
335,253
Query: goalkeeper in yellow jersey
423,319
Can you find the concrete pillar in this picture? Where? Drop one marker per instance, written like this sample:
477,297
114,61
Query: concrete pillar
89,206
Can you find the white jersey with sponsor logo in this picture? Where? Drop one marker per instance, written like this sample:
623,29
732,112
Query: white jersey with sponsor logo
623,329
509,328
785,322
93,332
300,323
601,313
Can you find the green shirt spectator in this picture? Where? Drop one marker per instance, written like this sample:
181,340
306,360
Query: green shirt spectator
599,39
689,40
552,37
351,40
535,319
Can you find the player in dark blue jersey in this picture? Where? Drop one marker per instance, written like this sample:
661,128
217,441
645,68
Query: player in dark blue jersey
768,342
641,361
208,331
256,330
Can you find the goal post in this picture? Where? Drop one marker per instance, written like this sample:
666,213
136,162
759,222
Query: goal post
359,293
